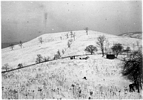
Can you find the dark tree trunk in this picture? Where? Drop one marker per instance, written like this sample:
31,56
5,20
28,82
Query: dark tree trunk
102,53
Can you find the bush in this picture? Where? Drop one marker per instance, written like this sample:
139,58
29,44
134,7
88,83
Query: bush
91,49
39,58
117,48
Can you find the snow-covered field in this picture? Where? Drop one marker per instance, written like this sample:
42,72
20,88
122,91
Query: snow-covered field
96,77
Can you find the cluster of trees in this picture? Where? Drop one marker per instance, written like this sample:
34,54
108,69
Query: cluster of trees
116,48
71,35
40,59
133,70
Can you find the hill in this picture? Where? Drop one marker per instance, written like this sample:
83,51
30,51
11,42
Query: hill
137,35
96,77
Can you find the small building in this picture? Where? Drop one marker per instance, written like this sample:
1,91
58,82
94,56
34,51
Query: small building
110,54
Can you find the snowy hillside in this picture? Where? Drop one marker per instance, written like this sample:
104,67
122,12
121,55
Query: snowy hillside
96,77
52,43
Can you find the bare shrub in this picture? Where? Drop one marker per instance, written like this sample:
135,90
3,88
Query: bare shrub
58,55
63,51
67,35
69,43
86,29
58,52
41,40
74,36
11,46
20,65
71,33
20,44
46,59
39,58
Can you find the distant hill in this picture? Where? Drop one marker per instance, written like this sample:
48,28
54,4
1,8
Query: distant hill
137,35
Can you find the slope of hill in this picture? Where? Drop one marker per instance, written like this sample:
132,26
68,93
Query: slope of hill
137,35
65,78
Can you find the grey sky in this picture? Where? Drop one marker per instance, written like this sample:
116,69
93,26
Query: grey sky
25,20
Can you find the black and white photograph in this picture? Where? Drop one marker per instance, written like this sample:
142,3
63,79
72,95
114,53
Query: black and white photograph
71,49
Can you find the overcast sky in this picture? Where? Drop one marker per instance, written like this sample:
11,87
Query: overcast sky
27,20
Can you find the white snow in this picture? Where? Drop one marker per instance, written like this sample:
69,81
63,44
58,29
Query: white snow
56,77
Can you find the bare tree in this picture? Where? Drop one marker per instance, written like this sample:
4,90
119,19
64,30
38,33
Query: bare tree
58,52
71,34
20,44
100,43
69,43
67,35
117,48
39,58
74,36
11,46
6,67
41,40
61,37
91,49
86,29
